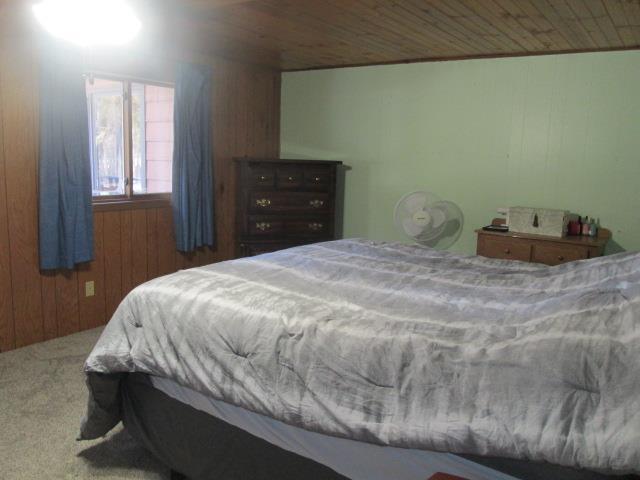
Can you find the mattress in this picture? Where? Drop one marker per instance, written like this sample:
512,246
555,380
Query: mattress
351,458
398,346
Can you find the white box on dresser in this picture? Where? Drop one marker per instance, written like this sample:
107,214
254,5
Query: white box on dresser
538,221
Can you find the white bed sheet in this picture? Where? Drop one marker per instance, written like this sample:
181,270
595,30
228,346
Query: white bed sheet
353,459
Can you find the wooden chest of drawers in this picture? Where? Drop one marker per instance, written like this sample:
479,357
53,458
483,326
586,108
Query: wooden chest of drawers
284,203
540,249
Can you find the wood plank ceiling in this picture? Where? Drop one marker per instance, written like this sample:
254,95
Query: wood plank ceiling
307,34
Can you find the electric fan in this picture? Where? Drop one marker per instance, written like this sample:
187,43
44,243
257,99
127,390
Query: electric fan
428,220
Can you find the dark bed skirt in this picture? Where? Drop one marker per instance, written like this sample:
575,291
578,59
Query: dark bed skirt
202,447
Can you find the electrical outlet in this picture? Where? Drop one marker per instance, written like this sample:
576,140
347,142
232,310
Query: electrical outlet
89,289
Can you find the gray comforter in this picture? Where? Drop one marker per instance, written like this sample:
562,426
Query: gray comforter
400,345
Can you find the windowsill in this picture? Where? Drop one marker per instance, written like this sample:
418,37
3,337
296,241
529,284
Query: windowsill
157,201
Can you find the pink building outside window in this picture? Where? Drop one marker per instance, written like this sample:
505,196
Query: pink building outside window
152,123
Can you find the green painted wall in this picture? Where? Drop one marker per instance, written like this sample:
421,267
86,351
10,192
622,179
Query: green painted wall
552,131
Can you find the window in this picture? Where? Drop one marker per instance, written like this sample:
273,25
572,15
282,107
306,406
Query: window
131,138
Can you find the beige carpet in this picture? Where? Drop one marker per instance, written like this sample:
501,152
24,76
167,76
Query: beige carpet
42,399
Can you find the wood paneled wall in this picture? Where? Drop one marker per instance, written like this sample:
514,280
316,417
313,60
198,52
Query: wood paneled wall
131,245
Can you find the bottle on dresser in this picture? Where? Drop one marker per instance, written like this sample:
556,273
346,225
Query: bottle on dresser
575,226
584,230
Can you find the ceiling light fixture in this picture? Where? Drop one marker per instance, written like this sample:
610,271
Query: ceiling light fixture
88,22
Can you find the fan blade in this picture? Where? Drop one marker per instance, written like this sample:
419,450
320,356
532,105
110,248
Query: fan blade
451,228
438,215
410,228
416,201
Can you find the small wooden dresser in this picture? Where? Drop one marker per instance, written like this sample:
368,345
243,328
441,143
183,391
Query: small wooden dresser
284,203
540,249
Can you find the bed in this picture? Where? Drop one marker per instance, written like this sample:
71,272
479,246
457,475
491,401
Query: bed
356,353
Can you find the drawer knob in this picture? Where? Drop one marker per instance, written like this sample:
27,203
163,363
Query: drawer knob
315,226
317,179
263,202
561,257
263,226
507,251
263,178
316,203
291,179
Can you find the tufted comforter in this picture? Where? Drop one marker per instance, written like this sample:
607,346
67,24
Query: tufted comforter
399,345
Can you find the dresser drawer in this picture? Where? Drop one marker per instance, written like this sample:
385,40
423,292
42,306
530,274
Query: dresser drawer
297,202
541,249
262,177
555,254
266,226
505,248
289,178
317,179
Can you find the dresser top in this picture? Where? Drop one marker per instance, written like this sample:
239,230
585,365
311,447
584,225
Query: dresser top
599,241
286,160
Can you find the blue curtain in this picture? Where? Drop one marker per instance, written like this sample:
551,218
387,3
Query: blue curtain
192,195
65,215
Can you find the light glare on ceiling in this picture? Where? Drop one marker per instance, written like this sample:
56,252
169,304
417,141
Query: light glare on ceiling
88,22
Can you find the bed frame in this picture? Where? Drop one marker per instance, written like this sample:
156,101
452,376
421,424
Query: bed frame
198,446
438,476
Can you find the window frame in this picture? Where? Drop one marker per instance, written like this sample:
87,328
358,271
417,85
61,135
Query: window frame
129,199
